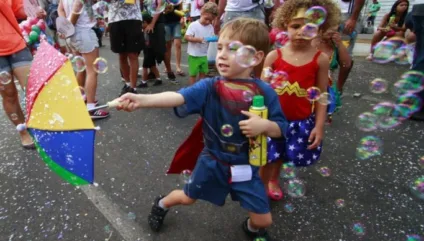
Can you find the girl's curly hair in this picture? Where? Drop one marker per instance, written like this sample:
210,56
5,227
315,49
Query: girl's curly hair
288,10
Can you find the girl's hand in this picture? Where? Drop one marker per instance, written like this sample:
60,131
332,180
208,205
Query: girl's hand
253,126
336,38
315,137
129,102
61,35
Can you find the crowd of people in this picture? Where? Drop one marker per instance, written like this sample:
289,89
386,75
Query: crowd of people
295,130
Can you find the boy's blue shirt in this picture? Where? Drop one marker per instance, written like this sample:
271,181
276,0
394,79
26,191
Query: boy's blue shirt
220,101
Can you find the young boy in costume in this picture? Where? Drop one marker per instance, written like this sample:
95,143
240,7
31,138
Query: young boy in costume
222,103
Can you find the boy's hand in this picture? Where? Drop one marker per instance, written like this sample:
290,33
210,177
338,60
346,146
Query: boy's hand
129,102
253,126
201,40
315,137
149,28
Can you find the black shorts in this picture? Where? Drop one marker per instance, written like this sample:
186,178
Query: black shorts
149,58
126,36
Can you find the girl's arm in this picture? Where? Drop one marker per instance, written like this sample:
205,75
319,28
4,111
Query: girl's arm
384,21
269,60
322,84
76,6
61,10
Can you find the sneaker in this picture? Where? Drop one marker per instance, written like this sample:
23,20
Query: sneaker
98,114
142,85
261,235
127,89
171,76
157,215
157,82
174,81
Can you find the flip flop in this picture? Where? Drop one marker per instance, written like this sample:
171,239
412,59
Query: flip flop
275,195
180,73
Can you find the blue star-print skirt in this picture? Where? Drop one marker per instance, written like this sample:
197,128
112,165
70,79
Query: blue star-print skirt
294,148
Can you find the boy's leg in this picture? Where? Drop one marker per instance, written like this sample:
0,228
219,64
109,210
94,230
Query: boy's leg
155,71
193,68
204,67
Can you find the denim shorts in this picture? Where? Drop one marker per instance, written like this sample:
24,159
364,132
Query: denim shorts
256,13
172,31
84,40
16,60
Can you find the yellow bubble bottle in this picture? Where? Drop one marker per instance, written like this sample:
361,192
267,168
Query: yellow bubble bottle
258,144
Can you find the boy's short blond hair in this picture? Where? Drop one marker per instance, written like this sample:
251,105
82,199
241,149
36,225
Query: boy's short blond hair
249,31
285,13
211,8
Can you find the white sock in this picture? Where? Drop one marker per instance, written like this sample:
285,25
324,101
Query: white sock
90,106
143,81
162,205
254,230
158,78
128,84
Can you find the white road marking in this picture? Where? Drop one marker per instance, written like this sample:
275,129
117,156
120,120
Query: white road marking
128,229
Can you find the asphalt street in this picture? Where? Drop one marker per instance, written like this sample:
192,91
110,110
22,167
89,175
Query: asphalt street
133,151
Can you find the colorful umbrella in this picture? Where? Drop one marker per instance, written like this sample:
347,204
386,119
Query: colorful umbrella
58,120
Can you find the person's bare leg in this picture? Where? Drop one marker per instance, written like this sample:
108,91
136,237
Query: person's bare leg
411,38
124,66
155,71
192,80
271,172
177,43
22,74
167,58
343,75
13,109
258,221
134,64
145,74
177,197
81,76
91,80
378,36
201,76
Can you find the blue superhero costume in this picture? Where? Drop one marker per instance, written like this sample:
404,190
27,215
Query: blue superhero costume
219,101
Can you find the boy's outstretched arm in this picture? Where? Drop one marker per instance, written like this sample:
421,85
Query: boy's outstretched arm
131,102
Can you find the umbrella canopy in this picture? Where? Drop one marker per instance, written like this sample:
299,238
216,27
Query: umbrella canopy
58,120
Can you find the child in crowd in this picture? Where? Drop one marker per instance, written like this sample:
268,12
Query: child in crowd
306,68
84,43
391,25
149,61
219,100
330,42
197,48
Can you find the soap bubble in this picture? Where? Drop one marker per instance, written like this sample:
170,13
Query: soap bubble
78,63
78,7
295,188
408,104
367,121
245,56
175,2
280,76
325,99
403,86
153,7
14,116
313,93
324,171
386,115
309,31
413,237
248,96
340,203
186,176
5,78
281,39
234,46
358,229
378,86
288,207
288,170
316,15
268,4
383,52
100,65
416,80
369,146
227,130
401,55
417,188
267,73
21,127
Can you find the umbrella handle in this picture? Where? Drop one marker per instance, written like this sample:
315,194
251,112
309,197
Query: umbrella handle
113,103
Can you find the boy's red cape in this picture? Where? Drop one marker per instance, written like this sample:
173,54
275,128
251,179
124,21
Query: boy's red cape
186,156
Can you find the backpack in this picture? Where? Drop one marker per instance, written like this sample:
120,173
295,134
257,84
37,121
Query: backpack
52,14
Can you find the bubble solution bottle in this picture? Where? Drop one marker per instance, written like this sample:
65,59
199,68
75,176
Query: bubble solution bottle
258,144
